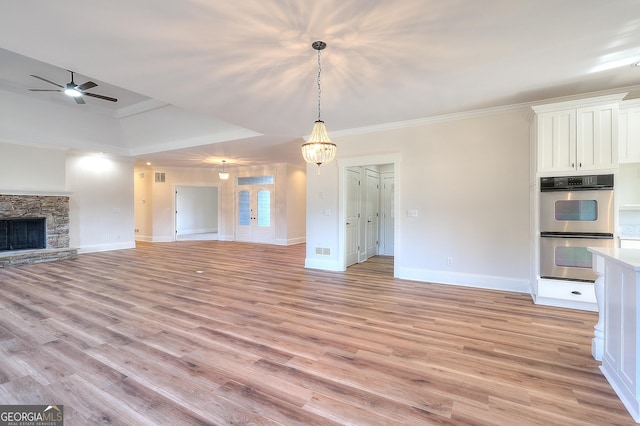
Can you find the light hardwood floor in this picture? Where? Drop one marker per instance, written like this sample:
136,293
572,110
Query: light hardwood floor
214,332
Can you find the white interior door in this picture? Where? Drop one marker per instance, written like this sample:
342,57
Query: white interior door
352,215
372,212
255,208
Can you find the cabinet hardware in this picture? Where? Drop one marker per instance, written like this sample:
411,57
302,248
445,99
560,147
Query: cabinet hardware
576,292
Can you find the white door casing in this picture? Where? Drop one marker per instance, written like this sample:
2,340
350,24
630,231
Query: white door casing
352,216
372,212
387,217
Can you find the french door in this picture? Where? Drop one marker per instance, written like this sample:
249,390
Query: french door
255,208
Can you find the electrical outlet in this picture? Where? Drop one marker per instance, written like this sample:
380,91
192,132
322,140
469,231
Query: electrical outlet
449,260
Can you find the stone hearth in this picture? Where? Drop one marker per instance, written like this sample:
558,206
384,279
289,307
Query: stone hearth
55,209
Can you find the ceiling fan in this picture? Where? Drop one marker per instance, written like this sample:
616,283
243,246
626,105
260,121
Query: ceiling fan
74,90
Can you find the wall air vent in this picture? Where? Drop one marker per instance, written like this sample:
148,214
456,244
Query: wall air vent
160,177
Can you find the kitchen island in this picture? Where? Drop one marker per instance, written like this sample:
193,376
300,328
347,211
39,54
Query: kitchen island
616,339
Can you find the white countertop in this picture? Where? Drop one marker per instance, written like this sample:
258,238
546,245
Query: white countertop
626,256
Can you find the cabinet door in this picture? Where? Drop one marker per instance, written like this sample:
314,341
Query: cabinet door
629,135
597,133
557,141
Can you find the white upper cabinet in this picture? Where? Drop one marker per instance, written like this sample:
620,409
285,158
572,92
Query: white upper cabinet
629,133
557,141
577,135
597,144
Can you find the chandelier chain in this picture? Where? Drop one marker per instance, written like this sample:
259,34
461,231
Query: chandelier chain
319,88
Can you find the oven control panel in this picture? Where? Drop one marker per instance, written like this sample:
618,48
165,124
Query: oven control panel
576,183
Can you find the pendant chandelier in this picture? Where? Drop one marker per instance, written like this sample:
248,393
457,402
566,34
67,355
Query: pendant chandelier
223,175
319,149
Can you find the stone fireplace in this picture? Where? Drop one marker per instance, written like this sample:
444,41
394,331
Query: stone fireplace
34,228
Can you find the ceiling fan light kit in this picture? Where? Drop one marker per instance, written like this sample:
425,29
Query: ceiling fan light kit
73,90
319,149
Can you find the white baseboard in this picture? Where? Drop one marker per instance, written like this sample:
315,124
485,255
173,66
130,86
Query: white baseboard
197,231
489,282
563,303
289,241
326,265
106,247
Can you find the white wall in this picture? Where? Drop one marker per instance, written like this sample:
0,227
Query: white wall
143,204
155,202
31,169
99,189
469,181
296,200
197,210
101,203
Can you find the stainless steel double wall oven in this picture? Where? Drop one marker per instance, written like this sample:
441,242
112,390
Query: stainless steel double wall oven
576,212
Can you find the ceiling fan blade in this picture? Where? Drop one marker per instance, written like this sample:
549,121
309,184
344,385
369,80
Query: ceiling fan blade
87,85
79,100
45,90
44,79
105,98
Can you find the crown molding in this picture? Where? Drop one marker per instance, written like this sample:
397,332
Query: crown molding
615,94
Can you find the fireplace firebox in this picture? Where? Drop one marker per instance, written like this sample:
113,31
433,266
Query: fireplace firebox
23,234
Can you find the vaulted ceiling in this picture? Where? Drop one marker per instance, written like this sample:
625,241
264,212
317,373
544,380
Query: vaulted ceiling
198,81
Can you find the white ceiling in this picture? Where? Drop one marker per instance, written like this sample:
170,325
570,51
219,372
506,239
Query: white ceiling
237,80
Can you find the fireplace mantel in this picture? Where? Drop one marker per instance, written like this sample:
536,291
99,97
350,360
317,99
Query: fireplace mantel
41,193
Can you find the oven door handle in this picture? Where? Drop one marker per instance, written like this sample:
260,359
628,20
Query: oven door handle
592,236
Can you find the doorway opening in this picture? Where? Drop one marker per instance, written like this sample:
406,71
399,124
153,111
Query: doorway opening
196,216
369,212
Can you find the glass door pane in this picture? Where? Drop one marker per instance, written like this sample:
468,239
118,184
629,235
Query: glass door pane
244,208
583,210
264,208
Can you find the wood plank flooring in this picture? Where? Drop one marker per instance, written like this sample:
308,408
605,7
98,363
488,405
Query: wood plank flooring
225,333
